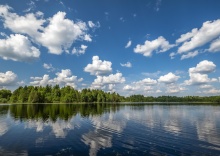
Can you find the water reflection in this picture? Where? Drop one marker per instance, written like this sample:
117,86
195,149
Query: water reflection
93,128
12,153
104,128
59,128
5,121
208,128
4,127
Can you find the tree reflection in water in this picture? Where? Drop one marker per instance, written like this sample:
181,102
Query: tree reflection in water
122,128
56,111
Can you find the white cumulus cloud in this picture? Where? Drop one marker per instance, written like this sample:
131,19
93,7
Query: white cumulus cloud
159,45
49,67
102,81
40,81
189,55
173,89
168,78
128,64
172,55
98,67
197,79
63,78
158,91
199,74
8,78
60,34
146,81
111,79
87,38
215,46
142,85
27,24
205,86
187,36
80,50
212,91
209,31
18,48
203,67
129,88
57,33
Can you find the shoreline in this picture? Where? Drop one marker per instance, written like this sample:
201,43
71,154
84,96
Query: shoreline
152,103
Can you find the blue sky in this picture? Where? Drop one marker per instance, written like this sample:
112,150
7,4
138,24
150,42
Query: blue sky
149,47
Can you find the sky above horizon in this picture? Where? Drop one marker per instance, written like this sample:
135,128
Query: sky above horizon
149,47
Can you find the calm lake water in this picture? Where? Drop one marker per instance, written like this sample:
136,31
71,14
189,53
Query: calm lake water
106,129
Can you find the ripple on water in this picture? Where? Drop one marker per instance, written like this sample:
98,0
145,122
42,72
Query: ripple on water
131,130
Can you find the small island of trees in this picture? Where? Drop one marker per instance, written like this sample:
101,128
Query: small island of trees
67,94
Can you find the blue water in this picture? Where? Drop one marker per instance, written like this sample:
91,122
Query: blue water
109,129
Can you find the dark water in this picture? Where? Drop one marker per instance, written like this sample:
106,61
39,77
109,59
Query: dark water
105,129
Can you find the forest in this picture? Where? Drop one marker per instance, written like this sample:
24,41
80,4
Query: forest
67,94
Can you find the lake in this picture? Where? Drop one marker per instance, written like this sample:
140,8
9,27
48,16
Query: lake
109,129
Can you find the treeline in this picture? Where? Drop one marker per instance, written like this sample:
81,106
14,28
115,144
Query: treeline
188,99
67,94
55,94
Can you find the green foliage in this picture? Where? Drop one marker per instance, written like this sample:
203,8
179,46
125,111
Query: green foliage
188,99
5,95
67,94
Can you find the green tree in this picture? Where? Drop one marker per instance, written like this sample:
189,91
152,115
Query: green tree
15,96
56,94
5,95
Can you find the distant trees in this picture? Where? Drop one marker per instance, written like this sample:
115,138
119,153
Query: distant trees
55,94
188,99
67,94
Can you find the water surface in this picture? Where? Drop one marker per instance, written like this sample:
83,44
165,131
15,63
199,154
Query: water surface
109,129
